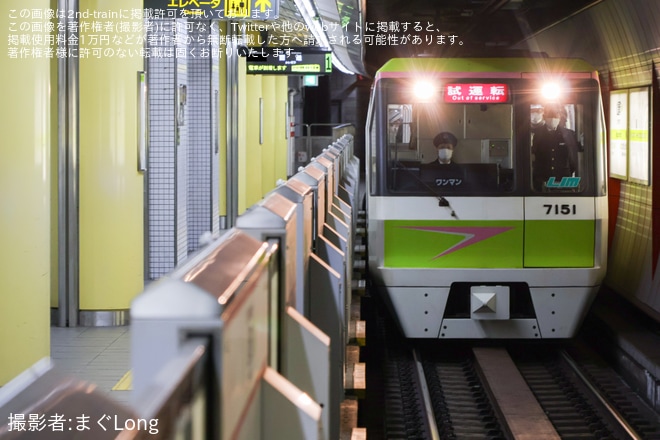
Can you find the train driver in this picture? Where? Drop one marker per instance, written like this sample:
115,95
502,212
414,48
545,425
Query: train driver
555,149
444,143
443,170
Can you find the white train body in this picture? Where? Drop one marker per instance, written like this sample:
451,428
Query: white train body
509,243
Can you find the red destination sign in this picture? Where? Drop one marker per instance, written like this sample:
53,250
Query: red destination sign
476,93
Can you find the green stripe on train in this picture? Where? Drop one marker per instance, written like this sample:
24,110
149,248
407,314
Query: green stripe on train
565,243
488,244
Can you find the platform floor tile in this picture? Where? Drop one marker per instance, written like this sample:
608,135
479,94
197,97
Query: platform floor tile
100,355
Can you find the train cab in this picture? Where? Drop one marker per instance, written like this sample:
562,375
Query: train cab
517,211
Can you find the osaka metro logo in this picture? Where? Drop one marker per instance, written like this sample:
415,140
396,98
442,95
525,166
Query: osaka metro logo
565,182
471,235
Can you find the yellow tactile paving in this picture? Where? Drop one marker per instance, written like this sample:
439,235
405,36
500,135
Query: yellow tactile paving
125,383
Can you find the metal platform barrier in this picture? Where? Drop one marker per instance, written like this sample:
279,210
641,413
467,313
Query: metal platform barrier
253,337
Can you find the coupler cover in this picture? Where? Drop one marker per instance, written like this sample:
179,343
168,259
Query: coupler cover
489,302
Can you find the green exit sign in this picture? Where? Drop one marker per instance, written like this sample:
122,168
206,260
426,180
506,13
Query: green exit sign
310,80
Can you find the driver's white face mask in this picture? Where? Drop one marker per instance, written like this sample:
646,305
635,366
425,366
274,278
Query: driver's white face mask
552,123
536,117
444,154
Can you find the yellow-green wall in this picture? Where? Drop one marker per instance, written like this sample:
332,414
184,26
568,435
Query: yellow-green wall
261,164
25,271
242,134
222,128
111,188
281,102
54,180
268,147
252,159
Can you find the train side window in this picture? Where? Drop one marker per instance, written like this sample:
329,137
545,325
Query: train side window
403,156
400,133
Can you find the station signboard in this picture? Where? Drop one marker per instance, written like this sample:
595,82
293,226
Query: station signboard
288,60
630,134
215,9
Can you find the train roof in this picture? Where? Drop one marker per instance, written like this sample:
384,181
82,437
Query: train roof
508,67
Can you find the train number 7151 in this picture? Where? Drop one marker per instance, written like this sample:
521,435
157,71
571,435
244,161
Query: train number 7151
560,209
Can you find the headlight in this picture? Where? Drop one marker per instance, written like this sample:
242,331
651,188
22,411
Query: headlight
551,91
424,91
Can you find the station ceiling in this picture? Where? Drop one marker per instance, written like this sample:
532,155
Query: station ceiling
483,27
480,27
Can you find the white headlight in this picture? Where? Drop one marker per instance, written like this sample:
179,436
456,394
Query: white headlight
424,91
551,91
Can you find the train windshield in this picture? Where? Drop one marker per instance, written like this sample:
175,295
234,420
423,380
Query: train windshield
486,138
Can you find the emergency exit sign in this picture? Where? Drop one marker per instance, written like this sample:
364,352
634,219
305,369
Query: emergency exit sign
217,9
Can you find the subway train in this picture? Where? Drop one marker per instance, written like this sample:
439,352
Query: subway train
486,195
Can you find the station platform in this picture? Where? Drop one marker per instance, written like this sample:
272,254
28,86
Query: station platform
231,343
100,355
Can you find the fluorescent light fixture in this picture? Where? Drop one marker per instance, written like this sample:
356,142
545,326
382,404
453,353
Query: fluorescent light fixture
313,21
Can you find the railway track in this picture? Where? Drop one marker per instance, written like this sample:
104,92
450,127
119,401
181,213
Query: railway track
533,391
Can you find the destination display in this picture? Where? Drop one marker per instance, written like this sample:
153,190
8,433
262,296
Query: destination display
476,93
287,60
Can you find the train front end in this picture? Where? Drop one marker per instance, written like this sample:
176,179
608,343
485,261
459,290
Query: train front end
510,242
